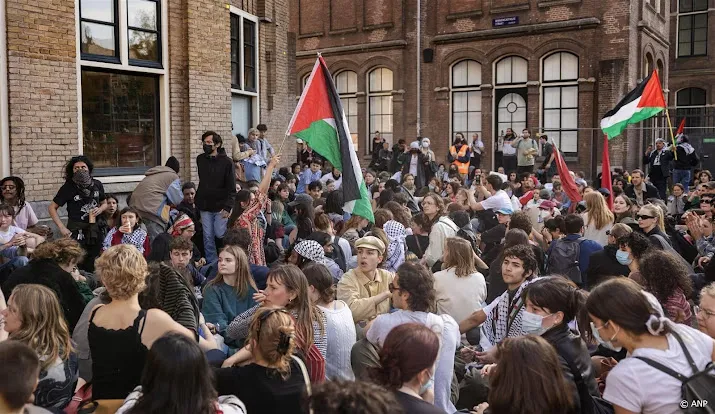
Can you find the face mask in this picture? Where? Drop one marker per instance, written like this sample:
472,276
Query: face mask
208,149
605,344
531,323
427,385
623,257
431,187
425,144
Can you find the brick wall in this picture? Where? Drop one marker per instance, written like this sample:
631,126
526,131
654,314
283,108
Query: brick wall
179,86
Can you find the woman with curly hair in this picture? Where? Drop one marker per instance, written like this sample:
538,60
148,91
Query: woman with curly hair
665,276
631,248
13,194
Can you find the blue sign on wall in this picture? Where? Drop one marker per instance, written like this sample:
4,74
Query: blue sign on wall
505,21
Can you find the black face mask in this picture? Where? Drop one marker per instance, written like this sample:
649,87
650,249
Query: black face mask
208,149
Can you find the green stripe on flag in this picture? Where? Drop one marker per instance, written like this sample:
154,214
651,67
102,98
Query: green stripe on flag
323,138
644,113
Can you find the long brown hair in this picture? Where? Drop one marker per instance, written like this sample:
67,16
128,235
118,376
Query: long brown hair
439,203
459,254
539,389
352,223
597,210
244,279
43,324
307,313
408,349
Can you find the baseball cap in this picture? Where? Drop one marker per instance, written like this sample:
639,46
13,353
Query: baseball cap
372,243
505,211
301,199
547,205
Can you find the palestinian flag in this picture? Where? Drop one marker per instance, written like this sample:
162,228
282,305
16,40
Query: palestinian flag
643,102
319,120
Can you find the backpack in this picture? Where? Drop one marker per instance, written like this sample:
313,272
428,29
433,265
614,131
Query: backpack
590,404
338,255
696,388
563,259
468,235
693,159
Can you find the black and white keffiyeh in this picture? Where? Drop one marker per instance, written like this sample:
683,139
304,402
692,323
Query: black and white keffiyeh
504,321
311,250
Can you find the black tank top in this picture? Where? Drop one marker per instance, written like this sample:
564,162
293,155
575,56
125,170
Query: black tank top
118,357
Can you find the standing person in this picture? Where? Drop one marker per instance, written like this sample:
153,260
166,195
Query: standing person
217,191
255,163
377,146
598,218
549,152
85,201
459,155
624,316
407,361
659,167
414,162
686,159
526,150
477,150
509,152
639,190
340,326
13,194
156,194
441,227
431,158
267,151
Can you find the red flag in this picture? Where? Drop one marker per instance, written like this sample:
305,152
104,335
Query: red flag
681,128
567,182
606,181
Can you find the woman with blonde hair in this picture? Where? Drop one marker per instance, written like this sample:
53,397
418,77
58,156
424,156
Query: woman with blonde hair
230,293
598,219
272,381
705,312
460,287
652,224
34,317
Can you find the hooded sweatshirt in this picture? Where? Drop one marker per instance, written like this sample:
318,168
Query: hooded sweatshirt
153,197
217,182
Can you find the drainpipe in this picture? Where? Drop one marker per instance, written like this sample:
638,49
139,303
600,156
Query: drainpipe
5,124
419,66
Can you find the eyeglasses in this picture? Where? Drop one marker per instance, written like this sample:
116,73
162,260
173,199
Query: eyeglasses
708,313
393,288
644,217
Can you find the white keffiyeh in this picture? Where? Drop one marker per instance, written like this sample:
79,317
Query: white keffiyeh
396,249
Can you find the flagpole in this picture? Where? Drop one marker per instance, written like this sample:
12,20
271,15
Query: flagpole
672,136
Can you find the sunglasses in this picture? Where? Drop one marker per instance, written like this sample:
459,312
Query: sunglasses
706,201
644,217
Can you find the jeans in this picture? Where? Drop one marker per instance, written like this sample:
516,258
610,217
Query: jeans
682,177
15,263
153,229
253,172
662,186
214,227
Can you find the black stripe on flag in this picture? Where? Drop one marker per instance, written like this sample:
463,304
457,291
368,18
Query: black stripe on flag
349,186
632,96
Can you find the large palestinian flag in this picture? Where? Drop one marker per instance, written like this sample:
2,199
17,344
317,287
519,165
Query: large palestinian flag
643,102
319,120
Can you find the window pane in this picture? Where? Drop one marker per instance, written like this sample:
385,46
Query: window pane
569,118
235,81
102,10
120,119
352,82
249,55
685,22
700,20
474,73
249,78
697,96
142,14
700,35
460,122
685,6
569,66
700,5
386,79
143,45
552,67
474,121
459,74
699,48
504,71
551,119
684,49
551,98
98,39
460,102
474,101
569,141
352,106
569,97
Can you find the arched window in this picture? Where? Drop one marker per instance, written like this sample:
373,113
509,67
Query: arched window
304,81
512,70
466,105
648,65
379,102
661,73
690,97
559,80
346,84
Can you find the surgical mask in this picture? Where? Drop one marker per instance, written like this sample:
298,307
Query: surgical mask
431,187
425,144
623,258
427,385
606,344
531,323
208,149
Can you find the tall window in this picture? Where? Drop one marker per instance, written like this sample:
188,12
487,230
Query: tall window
380,104
512,70
690,104
244,53
466,98
692,27
560,100
346,84
648,65
122,67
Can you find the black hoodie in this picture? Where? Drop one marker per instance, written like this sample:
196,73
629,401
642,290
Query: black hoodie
603,264
217,182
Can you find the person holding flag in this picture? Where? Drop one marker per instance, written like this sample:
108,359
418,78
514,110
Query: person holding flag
659,171
686,158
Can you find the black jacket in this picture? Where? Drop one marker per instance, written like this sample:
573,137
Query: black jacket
404,160
603,264
650,192
664,162
217,182
572,351
683,161
47,273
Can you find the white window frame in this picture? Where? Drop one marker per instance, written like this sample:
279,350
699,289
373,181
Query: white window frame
372,94
560,84
453,90
125,66
677,30
255,101
4,124
349,95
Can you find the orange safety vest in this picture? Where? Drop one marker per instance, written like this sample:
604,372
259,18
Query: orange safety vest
462,167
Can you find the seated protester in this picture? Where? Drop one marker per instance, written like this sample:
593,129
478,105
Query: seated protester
466,232
669,281
177,378
521,220
366,288
340,326
705,311
14,241
120,332
418,241
55,265
312,251
334,175
183,226
623,315
304,217
554,229
407,367
460,289
80,340
570,255
354,228
230,293
631,248
498,319
341,251
413,295
13,194
180,260
128,232
495,197
187,205
241,238
288,288
21,368
356,397
167,289
650,221
441,228
495,283
395,254
34,317
639,190
315,191
273,380
605,263
492,237
310,175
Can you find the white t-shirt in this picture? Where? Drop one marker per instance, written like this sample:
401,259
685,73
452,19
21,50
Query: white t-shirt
413,164
25,218
500,200
6,236
329,176
383,324
638,387
459,297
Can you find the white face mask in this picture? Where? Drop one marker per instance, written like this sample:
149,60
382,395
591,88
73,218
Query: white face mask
531,323
606,344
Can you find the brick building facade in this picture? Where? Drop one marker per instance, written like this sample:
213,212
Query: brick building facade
554,66
131,82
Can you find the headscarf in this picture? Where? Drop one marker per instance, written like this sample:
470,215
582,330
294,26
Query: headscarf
311,250
396,249
83,181
181,224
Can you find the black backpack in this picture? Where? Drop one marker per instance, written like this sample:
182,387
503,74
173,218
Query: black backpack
564,259
338,255
697,389
693,159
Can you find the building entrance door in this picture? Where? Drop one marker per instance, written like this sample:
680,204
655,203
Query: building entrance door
510,113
